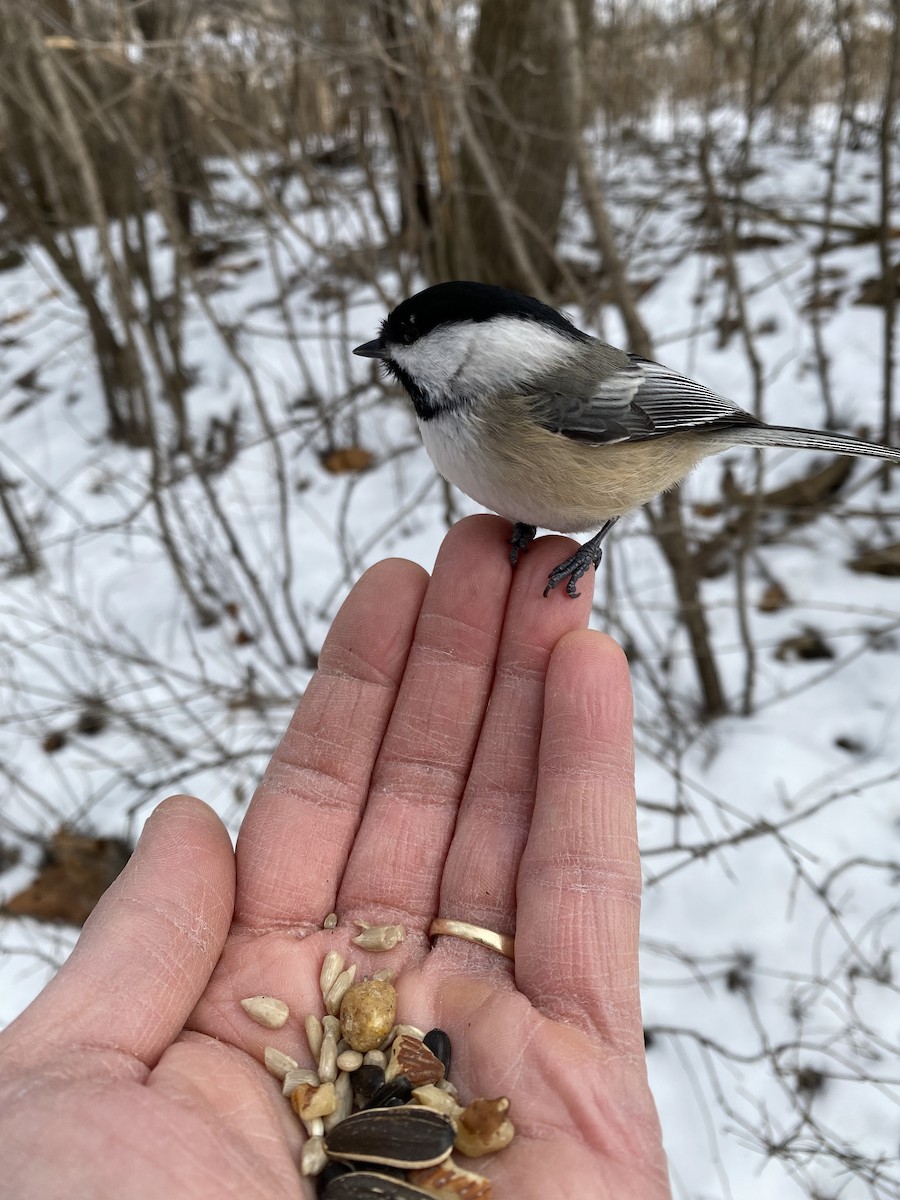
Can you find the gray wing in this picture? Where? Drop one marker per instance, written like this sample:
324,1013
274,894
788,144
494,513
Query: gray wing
636,400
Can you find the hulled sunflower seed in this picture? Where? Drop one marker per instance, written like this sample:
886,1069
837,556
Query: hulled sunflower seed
343,1091
295,1077
331,968
385,976
405,1137
375,1058
332,1025
277,1062
314,1035
372,1185
313,1158
330,921
266,1011
378,937
328,1059
339,989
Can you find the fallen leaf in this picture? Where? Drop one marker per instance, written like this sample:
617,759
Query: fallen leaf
77,871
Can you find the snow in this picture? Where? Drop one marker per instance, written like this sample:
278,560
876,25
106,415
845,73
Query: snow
771,851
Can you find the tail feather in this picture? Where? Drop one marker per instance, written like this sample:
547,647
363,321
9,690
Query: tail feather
810,439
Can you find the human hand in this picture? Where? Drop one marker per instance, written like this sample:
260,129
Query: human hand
463,750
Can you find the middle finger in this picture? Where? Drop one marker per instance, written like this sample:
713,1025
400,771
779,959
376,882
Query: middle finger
395,867
479,883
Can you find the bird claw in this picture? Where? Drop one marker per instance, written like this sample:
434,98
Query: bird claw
522,536
585,556
574,567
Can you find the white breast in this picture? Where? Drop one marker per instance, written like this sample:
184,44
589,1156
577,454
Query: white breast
457,452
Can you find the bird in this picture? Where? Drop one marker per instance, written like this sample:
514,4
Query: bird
550,427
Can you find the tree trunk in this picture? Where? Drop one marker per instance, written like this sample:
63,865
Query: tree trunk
519,105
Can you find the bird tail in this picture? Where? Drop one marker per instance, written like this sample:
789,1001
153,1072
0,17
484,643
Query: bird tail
809,439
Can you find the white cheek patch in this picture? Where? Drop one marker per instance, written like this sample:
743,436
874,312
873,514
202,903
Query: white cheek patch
434,360
475,359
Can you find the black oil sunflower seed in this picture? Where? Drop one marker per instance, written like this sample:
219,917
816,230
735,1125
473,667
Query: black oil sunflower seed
397,1091
329,1173
372,1185
366,1080
438,1043
399,1137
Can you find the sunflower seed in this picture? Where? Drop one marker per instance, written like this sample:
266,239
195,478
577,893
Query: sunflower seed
343,1091
314,1035
339,989
397,1091
438,1043
277,1062
378,937
313,1158
266,1011
297,1076
372,1185
332,1025
330,921
401,1137
331,968
328,1059
366,1082
333,1171
325,1176
375,1058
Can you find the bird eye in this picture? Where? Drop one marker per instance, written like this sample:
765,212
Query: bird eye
408,334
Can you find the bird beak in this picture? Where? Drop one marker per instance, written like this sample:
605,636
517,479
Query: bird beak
373,349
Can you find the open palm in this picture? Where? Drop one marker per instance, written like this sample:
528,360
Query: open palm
463,750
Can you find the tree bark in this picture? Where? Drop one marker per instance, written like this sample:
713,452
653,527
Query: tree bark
519,107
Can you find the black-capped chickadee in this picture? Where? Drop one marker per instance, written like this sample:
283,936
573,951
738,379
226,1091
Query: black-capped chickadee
550,427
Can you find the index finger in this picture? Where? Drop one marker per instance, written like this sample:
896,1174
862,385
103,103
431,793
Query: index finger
579,882
296,836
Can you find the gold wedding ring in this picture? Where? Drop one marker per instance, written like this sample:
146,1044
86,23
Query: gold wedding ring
447,927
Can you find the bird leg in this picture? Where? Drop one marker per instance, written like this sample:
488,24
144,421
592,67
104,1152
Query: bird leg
585,556
522,536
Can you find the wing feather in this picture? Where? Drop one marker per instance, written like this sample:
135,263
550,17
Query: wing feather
636,400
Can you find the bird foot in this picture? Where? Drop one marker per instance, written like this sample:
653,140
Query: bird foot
585,556
522,536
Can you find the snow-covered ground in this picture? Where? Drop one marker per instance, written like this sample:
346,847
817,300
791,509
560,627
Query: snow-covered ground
771,841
